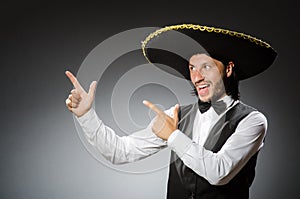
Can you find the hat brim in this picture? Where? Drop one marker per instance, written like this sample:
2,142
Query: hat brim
250,55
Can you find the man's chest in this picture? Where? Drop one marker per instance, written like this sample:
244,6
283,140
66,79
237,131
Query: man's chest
203,124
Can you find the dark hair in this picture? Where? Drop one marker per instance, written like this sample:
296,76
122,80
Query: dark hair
231,83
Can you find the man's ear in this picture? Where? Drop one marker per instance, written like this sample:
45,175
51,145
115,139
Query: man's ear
229,68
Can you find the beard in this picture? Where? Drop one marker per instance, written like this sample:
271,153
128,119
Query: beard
218,91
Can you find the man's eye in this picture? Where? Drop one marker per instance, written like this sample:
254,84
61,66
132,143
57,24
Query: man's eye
192,68
207,67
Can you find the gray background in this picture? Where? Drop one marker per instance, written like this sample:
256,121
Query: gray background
42,155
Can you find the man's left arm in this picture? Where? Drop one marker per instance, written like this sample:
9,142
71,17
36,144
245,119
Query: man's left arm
217,168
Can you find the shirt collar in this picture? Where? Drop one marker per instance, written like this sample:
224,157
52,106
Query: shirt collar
228,100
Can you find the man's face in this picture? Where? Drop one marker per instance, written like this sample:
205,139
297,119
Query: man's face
206,74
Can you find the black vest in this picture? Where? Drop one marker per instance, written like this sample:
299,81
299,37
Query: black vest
184,183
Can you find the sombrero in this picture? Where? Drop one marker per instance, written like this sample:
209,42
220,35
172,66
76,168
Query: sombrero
173,45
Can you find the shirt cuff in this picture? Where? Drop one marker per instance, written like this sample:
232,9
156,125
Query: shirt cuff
179,142
89,119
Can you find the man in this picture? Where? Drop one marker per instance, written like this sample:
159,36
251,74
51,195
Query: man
214,142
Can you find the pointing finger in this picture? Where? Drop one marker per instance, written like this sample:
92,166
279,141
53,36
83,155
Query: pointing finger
153,107
74,81
176,110
92,89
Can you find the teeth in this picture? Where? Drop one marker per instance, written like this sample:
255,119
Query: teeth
202,86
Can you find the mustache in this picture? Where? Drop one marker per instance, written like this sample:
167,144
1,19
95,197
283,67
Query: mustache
202,81
194,92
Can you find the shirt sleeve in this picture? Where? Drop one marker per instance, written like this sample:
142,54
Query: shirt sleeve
119,149
219,168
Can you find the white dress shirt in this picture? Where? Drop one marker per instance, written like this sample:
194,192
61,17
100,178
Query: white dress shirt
218,168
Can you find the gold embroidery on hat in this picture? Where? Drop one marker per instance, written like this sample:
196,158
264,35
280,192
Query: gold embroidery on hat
202,28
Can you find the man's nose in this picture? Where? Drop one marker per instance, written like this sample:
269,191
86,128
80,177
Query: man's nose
198,76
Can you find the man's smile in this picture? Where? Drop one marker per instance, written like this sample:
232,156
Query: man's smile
202,88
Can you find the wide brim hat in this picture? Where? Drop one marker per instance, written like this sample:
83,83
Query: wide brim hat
171,47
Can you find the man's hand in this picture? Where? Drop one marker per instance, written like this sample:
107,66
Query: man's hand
79,102
163,125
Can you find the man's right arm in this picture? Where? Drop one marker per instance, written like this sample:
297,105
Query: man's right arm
116,149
